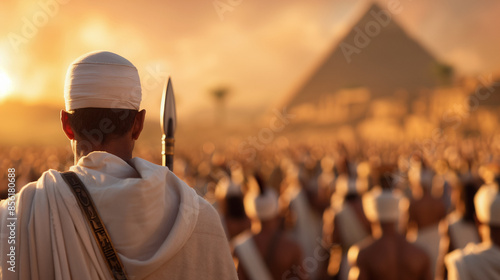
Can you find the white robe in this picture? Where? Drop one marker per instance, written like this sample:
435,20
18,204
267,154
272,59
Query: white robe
350,227
474,262
429,239
308,226
160,227
308,223
351,232
462,233
249,256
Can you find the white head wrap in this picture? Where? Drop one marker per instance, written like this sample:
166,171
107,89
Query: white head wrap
345,185
262,206
382,205
102,80
226,187
487,202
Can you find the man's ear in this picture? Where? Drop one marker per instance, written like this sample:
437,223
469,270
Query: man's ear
66,126
138,124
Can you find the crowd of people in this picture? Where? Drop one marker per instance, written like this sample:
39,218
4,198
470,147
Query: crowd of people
323,210
333,211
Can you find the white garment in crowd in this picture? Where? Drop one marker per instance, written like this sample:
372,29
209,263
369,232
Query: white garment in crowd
474,262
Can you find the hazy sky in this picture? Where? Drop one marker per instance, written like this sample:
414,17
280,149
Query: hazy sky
261,50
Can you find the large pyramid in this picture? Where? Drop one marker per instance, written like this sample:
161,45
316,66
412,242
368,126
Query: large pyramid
377,59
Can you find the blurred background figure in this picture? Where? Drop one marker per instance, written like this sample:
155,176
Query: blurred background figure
345,223
480,261
266,252
425,215
462,227
461,222
229,202
389,256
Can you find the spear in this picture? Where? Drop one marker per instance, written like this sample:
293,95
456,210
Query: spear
168,121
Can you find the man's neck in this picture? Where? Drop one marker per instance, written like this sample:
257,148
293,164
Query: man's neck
495,235
388,229
264,227
83,148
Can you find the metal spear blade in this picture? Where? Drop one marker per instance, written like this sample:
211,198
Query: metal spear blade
168,118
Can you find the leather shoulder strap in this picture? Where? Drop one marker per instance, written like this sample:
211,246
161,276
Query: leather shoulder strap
96,225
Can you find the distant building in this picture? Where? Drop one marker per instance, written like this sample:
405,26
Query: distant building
376,71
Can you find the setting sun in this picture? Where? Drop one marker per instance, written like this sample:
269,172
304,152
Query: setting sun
5,85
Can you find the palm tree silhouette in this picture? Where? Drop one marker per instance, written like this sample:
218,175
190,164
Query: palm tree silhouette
219,95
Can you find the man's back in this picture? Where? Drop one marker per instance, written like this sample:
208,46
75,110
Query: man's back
270,252
426,211
286,254
156,222
393,258
425,215
280,256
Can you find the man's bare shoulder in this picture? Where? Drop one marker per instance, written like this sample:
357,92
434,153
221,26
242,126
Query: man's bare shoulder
361,251
414,259
289,246
393,259
288,254
365,243
398,244
404,250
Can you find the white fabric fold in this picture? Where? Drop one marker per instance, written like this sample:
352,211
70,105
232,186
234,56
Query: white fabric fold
475,262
